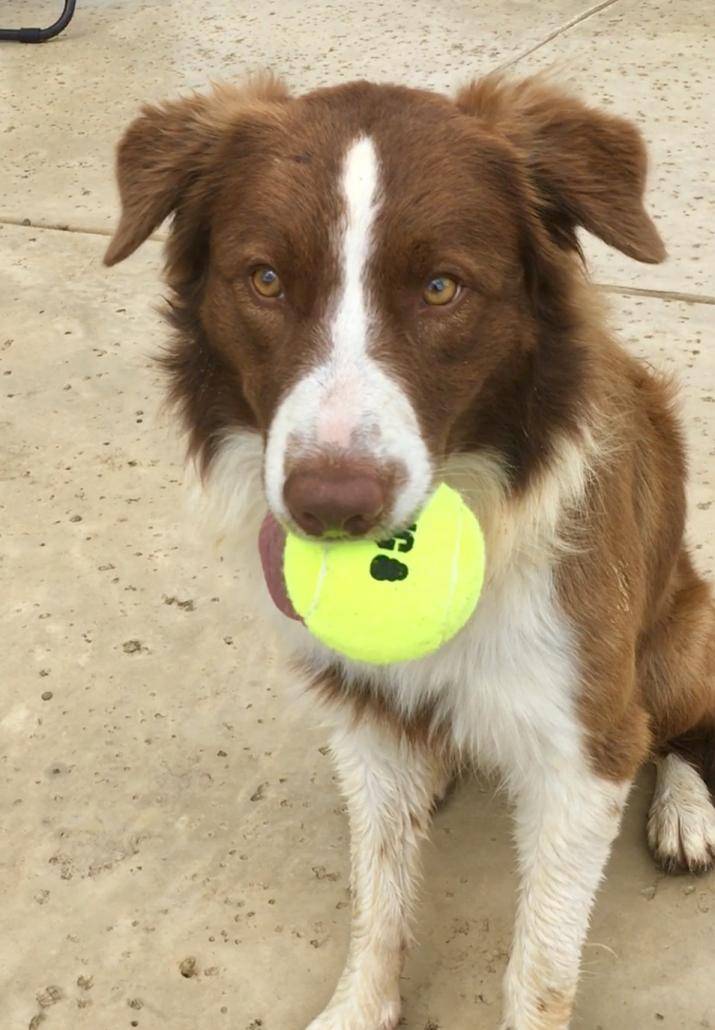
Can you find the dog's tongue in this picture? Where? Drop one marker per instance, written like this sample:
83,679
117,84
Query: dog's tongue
271,544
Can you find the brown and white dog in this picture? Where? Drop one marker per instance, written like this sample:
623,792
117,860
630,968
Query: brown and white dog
377,288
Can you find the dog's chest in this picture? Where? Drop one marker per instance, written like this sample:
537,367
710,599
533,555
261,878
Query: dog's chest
506,685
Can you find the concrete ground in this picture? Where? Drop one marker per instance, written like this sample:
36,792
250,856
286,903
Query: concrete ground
162,808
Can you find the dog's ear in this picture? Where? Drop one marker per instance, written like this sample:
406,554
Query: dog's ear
588,168
169,146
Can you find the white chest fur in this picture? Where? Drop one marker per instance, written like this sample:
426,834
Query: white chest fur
505,684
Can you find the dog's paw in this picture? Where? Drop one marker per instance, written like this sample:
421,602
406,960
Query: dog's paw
681,821
348,1016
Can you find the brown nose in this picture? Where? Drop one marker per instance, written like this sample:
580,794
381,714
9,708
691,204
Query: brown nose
335,499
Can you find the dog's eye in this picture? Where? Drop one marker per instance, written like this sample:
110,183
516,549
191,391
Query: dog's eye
440,290
266,282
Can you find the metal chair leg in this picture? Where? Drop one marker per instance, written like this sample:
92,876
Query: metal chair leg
40,35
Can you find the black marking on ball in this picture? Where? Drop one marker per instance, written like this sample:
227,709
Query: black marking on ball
407,540
387,569
404,541
387,545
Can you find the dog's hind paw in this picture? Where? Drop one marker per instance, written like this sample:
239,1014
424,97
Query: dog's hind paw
681,821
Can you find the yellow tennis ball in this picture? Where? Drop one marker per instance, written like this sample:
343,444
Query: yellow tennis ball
390,600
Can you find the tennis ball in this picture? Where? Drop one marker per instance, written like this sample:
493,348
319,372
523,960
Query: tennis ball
390,600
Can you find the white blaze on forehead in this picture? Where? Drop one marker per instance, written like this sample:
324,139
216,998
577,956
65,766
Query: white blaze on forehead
350,398
350,324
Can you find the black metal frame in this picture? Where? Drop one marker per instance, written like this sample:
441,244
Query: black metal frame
40,35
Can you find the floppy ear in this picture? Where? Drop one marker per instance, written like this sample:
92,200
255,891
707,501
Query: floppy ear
169,146
588,168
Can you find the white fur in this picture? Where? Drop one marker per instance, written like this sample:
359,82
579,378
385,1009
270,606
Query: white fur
230,504
350,324
566,821
349,402
389,786
681,822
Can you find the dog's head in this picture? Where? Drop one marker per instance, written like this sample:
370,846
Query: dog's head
374,277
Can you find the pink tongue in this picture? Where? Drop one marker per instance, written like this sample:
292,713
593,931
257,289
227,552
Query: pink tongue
271,544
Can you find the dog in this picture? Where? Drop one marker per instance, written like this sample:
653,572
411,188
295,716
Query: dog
375,289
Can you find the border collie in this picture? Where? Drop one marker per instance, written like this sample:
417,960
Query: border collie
375,289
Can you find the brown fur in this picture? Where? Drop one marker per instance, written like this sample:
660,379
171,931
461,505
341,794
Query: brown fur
589,167
644,616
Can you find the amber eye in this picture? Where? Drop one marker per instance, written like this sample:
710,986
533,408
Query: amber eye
266,282
440,290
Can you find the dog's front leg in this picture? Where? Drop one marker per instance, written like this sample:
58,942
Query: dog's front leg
566,821
390,785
